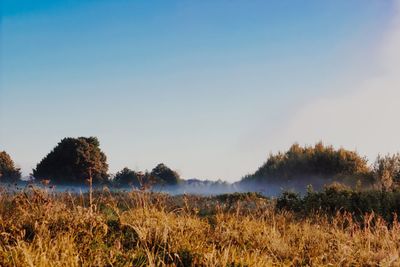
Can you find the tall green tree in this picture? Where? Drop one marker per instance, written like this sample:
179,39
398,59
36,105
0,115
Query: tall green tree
8,171
73,161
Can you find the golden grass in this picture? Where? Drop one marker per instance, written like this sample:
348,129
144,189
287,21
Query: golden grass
39,228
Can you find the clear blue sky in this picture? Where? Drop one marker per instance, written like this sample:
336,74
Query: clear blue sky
203,86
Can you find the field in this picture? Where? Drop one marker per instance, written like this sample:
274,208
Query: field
45,228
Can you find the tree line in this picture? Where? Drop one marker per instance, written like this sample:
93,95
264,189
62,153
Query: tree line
327,164
74,160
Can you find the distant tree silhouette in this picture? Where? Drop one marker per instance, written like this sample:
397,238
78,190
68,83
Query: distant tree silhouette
127,177
165,174
73,161
318,161
8,172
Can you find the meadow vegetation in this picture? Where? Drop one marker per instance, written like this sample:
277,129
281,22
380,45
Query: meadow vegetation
347,217
45,228
338,198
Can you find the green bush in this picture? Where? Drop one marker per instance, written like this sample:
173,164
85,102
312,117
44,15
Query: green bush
333,200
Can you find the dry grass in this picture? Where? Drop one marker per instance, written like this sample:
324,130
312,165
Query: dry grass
40,228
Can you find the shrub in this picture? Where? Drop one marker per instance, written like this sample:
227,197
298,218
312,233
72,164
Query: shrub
387,171
333,200
307,162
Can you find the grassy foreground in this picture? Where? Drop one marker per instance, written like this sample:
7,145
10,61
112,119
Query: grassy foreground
39,228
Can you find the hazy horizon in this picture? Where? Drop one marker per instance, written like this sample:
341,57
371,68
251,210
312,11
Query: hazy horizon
210,88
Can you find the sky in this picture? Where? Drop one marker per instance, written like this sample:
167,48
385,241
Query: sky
209,87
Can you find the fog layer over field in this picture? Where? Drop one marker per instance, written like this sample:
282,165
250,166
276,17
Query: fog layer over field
192,186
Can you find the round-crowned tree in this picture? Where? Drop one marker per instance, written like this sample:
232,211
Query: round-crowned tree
165,174
8,172
72,161
127,177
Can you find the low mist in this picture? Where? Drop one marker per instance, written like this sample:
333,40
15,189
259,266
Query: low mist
192,186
